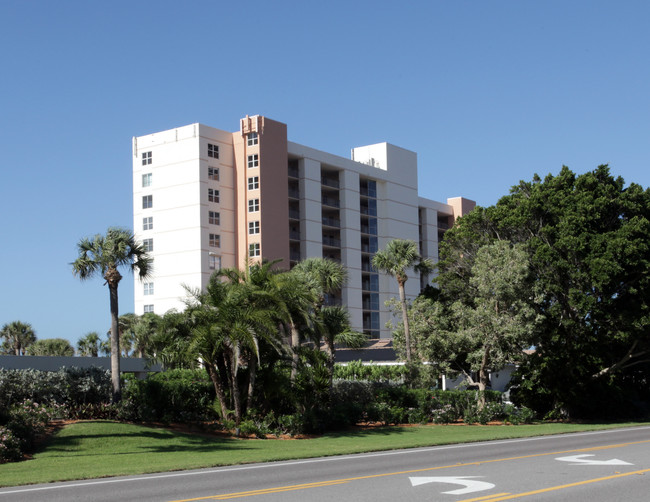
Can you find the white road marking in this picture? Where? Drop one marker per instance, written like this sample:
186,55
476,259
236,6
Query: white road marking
470,485
581,460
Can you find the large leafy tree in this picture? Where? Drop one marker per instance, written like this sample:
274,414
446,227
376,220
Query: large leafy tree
396,259
588,239
17,337
104,255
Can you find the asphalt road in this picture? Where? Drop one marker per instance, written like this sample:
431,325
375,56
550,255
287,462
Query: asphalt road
594,466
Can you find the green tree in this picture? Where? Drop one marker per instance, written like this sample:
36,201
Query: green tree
89,344
395,260
588,240
222,327
51,347
17,337
495,328
104,255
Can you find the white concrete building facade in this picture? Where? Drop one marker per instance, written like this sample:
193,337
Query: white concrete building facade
204,198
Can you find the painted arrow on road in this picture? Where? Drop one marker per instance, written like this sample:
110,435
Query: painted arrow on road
469,484
580,460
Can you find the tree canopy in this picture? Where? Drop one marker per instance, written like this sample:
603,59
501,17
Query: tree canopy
587,238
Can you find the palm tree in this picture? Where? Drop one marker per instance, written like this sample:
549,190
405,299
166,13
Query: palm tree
398,256
336,329
329,276
89,344
17,337
104,255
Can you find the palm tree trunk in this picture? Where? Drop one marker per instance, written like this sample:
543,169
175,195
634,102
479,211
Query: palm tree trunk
115,345
405,320
295,357
218,389
252,372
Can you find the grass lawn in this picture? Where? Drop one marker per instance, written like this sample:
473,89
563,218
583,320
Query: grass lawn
100,448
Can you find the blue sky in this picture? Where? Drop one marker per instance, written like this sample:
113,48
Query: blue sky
486,92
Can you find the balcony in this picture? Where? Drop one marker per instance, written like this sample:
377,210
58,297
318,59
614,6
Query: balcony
294,193
331,222
294,214
330,201
331,241
294,235
329,181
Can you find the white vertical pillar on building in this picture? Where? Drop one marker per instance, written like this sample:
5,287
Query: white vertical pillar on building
311,219
351,244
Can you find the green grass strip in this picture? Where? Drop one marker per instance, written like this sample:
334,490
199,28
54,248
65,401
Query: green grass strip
96,449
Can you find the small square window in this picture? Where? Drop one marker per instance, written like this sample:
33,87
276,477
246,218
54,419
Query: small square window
147,201
213,151
213,173
148,288
146,158
254,250
147,223
215,240
254,183
147,245
253,161
146,180
252,138
148,309
214,262
253,205
213,195
253,227
214,218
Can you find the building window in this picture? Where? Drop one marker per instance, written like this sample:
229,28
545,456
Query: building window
254,183
213,195
147,245
148,309
253,160
214,218
253,205
214,262
215,241
148,288
252,138
147,201
254,250
253,227
147,223
146,158
213,173
213,151
146,180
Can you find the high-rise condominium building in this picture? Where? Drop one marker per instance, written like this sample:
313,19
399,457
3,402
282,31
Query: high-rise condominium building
205,199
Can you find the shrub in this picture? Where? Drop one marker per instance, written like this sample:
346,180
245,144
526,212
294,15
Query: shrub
9,446
176,395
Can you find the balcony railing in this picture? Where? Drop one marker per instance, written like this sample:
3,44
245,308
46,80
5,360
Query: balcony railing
331,222
330,182
329,201
294,214
294,193
331,241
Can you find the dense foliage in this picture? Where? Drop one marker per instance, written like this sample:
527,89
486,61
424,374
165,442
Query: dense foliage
587,239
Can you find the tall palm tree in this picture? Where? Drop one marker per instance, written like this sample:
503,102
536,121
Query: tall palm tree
104,255
395,260
89,344
17,337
